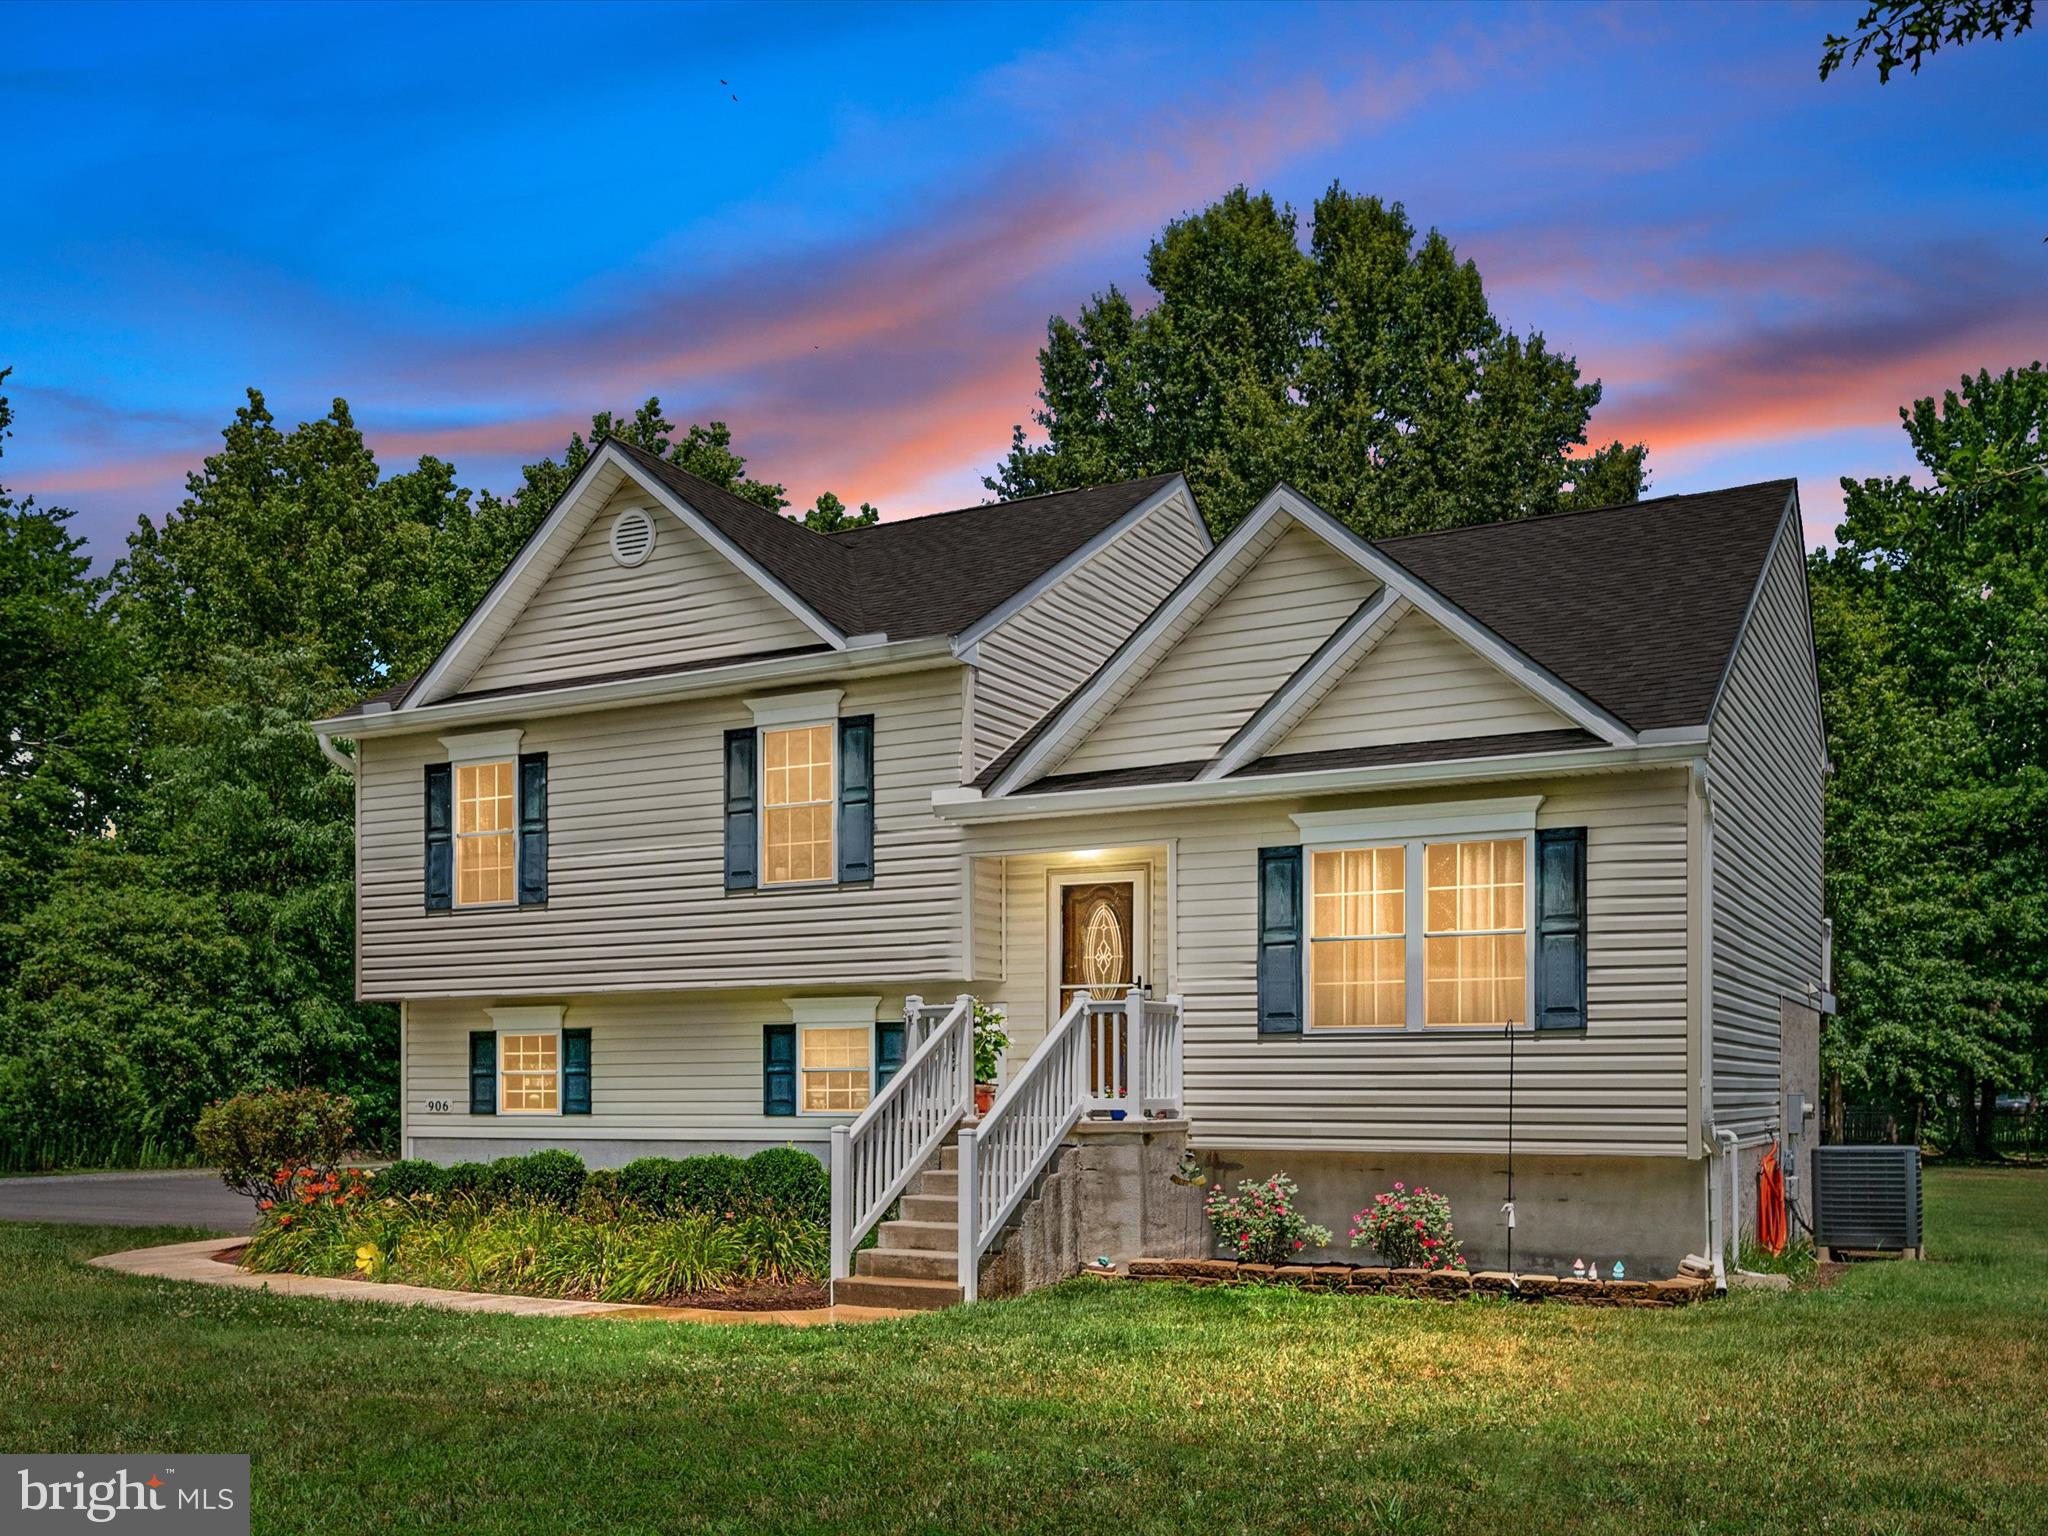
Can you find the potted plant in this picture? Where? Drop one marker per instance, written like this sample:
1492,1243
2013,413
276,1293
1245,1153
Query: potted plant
990,1041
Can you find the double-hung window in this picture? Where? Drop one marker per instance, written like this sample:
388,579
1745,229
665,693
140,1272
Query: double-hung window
797,804
530,1073
837,1068
1452,914
486,833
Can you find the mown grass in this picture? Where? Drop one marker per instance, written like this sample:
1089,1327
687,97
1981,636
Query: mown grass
1904,1398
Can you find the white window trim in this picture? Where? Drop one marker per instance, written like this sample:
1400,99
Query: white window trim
781,710
797,723
832,1013
526,1020
476,749
1414,936
1056,884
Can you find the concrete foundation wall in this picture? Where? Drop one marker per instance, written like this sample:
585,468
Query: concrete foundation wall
602,1154
1648,1212
1109,1191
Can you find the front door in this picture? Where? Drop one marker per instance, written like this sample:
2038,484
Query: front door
1098,940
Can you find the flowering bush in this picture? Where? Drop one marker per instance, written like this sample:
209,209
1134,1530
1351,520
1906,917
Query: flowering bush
252,1136
1409,1228
1260,1224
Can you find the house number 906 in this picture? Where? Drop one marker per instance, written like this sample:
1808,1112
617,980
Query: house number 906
437,1106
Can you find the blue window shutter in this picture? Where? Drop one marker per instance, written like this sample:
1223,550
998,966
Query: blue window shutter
1280,941
440,837
778,1069
483,1072
1561,928
533,828
890,1039
856,799
742,818
575,1071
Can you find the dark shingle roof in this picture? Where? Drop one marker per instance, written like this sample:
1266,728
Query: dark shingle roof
932,575
1447,750
1637,607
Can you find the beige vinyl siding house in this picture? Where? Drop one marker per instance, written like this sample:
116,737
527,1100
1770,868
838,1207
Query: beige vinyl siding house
1418,684
1357,861
1028,662
1766,761
682,602
1289,600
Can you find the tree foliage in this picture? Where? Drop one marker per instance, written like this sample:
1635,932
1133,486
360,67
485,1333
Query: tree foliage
1907,31
1931,619
1367,370
176,880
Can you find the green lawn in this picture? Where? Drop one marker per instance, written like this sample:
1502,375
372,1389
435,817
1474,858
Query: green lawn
1905,1398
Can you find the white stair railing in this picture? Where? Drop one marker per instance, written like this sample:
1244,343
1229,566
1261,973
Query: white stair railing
1003,1155
1159,1056
875,1158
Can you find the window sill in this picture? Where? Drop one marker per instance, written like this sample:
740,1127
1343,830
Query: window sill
796,888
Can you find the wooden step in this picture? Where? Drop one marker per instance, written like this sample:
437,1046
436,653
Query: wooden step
926,1236
944,1208
906,1264
909,1295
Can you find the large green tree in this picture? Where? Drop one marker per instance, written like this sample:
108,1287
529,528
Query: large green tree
64,747
1367,370
1931,618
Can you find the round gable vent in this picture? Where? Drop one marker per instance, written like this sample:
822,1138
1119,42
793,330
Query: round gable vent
632,536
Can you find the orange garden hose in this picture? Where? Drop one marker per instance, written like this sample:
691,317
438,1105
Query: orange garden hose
1770,1201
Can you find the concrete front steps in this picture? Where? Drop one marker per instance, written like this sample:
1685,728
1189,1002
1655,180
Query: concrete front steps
915,1263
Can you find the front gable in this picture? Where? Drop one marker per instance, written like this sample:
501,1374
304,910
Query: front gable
678,591
1418,683
1271,618
681,602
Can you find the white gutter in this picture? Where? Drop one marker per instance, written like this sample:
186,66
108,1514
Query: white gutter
334,754
969,806
865,661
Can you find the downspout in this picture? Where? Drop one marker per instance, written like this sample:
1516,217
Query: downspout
334,754
1724,1208
1716,1222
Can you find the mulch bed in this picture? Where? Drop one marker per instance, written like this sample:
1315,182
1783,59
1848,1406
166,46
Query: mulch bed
1368,1279
755,1298
765,1297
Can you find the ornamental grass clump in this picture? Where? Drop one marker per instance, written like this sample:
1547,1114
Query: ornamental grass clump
1409,1229
1260,1224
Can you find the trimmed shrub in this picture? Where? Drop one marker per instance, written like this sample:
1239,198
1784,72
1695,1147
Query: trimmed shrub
469,1180
265,1143
547,1177
411,1176
789,1181
650,1183
715,1185
600,1198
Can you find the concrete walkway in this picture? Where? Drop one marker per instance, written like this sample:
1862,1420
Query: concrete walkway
197,1262
184,1197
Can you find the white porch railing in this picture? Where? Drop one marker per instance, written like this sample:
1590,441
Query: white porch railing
874,1159
1087,1061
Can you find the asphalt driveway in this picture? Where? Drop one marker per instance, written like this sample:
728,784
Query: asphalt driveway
183,1198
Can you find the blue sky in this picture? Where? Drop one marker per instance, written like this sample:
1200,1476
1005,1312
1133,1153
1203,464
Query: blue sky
481,224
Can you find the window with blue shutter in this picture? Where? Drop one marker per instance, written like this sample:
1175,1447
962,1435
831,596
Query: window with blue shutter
1280,960
533,828
440,838
742,816
575,1071
778,1069
1561,928
856,799
483,1072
